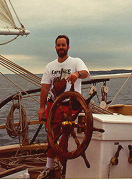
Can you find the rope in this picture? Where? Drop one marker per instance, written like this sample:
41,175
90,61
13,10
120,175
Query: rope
120,90
16,15
19,88
34,79
12,130
4,43
98,110
34,161
7,61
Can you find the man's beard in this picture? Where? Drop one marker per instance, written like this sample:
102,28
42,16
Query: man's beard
62,54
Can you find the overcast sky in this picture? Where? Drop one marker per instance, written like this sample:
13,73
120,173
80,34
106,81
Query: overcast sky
100,33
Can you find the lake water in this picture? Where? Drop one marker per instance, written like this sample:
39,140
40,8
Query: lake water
7,89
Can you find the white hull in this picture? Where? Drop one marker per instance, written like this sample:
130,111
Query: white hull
103,147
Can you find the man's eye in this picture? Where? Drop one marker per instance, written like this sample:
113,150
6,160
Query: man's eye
63,45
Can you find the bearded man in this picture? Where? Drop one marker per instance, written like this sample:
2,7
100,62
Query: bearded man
73,70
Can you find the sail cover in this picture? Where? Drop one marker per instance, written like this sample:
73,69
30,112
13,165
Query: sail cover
7,24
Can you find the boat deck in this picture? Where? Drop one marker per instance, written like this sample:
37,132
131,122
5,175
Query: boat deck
121,109
15,158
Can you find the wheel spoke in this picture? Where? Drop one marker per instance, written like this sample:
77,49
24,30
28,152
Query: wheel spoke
64,142
62,112
75,138
70,109
76,115
58,136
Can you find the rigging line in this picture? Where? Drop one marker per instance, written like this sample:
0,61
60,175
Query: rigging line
20,68
39,78
4,102
120,89
4,43
99,109
20,88
16,15
31,95
33,76
32,117
20,75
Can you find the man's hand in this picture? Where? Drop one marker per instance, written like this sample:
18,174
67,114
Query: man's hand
41,113
73,77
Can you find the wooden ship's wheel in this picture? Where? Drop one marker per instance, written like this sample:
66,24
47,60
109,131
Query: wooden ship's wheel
68,127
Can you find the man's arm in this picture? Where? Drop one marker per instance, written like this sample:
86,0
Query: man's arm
74,76
43,99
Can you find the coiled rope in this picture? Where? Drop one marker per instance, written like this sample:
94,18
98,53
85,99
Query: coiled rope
20,129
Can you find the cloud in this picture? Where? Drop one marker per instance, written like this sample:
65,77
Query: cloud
99,30
26,61
19,57
70,12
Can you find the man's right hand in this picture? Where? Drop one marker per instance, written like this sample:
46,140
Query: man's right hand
41,113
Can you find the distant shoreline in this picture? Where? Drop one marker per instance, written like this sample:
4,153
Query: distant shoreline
115,71
100,72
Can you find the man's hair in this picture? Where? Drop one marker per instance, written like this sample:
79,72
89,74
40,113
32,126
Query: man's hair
63,36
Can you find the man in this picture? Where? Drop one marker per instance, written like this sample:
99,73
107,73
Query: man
74,70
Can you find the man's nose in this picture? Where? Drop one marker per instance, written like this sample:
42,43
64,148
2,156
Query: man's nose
61,46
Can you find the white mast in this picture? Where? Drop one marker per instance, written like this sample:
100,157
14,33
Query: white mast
7,24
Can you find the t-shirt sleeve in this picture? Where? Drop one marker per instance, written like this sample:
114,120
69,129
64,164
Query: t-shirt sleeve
46,76
80,65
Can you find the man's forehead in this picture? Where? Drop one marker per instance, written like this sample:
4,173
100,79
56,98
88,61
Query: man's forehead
60,40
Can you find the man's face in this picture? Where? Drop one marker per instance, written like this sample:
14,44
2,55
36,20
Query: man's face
61,47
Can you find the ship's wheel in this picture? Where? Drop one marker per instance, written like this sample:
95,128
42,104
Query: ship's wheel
63,132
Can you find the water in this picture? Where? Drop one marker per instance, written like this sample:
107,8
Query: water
32,107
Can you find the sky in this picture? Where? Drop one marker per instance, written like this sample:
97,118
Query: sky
100,33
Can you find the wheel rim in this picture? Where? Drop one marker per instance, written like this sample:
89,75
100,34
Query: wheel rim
68,126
